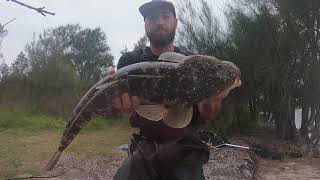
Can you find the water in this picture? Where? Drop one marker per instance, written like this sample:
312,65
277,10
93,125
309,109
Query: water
298,117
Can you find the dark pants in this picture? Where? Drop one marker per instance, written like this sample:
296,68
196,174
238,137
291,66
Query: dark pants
181,159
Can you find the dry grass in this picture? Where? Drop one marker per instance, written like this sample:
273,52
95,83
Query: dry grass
31,140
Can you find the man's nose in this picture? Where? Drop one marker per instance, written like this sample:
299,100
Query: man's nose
160,20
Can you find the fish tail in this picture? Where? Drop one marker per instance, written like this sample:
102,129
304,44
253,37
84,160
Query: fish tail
53,160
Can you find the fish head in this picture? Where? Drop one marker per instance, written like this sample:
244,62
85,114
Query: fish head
209,76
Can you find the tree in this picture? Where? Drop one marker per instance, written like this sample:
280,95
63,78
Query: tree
61,63
259,40
90,54
4,71
141,43
3,33
21,65
86,49
124,50
200,30
55,69
301,21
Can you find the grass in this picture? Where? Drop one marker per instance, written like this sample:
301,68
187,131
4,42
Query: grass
30,141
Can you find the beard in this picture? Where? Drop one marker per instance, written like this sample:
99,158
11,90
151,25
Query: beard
161,39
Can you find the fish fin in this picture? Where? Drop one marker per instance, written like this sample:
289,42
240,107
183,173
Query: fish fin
152,112
178,116
171,57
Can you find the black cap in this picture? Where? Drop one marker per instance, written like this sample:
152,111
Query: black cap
147,8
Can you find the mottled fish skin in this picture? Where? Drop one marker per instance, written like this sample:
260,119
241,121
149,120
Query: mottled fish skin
188,82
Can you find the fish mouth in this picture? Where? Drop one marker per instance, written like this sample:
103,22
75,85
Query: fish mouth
238,82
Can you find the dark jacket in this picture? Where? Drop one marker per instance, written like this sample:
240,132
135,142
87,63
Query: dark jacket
156,130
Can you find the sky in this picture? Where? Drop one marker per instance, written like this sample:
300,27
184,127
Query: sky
119,19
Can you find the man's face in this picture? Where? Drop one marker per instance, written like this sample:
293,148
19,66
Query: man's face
160,27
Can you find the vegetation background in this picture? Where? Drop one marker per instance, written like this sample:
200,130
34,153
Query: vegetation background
276,44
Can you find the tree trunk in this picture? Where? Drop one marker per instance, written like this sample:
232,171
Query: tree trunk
253,109
304,120
317,126
312,116
284,120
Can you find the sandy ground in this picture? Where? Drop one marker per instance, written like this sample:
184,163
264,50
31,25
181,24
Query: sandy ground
293,169
224,163
94,169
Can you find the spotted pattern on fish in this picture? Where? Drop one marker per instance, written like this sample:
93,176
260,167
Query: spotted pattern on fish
192,80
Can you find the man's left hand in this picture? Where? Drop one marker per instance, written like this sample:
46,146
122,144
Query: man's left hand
210,108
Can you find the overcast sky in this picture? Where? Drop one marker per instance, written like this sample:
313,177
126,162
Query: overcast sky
119,19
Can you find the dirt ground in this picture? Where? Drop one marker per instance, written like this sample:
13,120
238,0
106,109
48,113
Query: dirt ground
277,161
288,169
223,164
284,160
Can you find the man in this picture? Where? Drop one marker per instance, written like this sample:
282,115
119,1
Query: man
158,151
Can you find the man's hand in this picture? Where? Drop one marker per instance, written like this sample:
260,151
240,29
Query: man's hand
212,106
126,104
123,103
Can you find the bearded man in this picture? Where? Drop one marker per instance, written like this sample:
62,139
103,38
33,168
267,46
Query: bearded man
160,152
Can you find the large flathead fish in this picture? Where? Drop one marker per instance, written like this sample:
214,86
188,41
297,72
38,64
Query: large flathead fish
167,89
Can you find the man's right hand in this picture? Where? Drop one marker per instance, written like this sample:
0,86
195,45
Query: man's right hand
123,103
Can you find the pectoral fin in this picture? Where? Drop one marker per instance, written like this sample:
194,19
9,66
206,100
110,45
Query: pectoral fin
178,116
152,112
